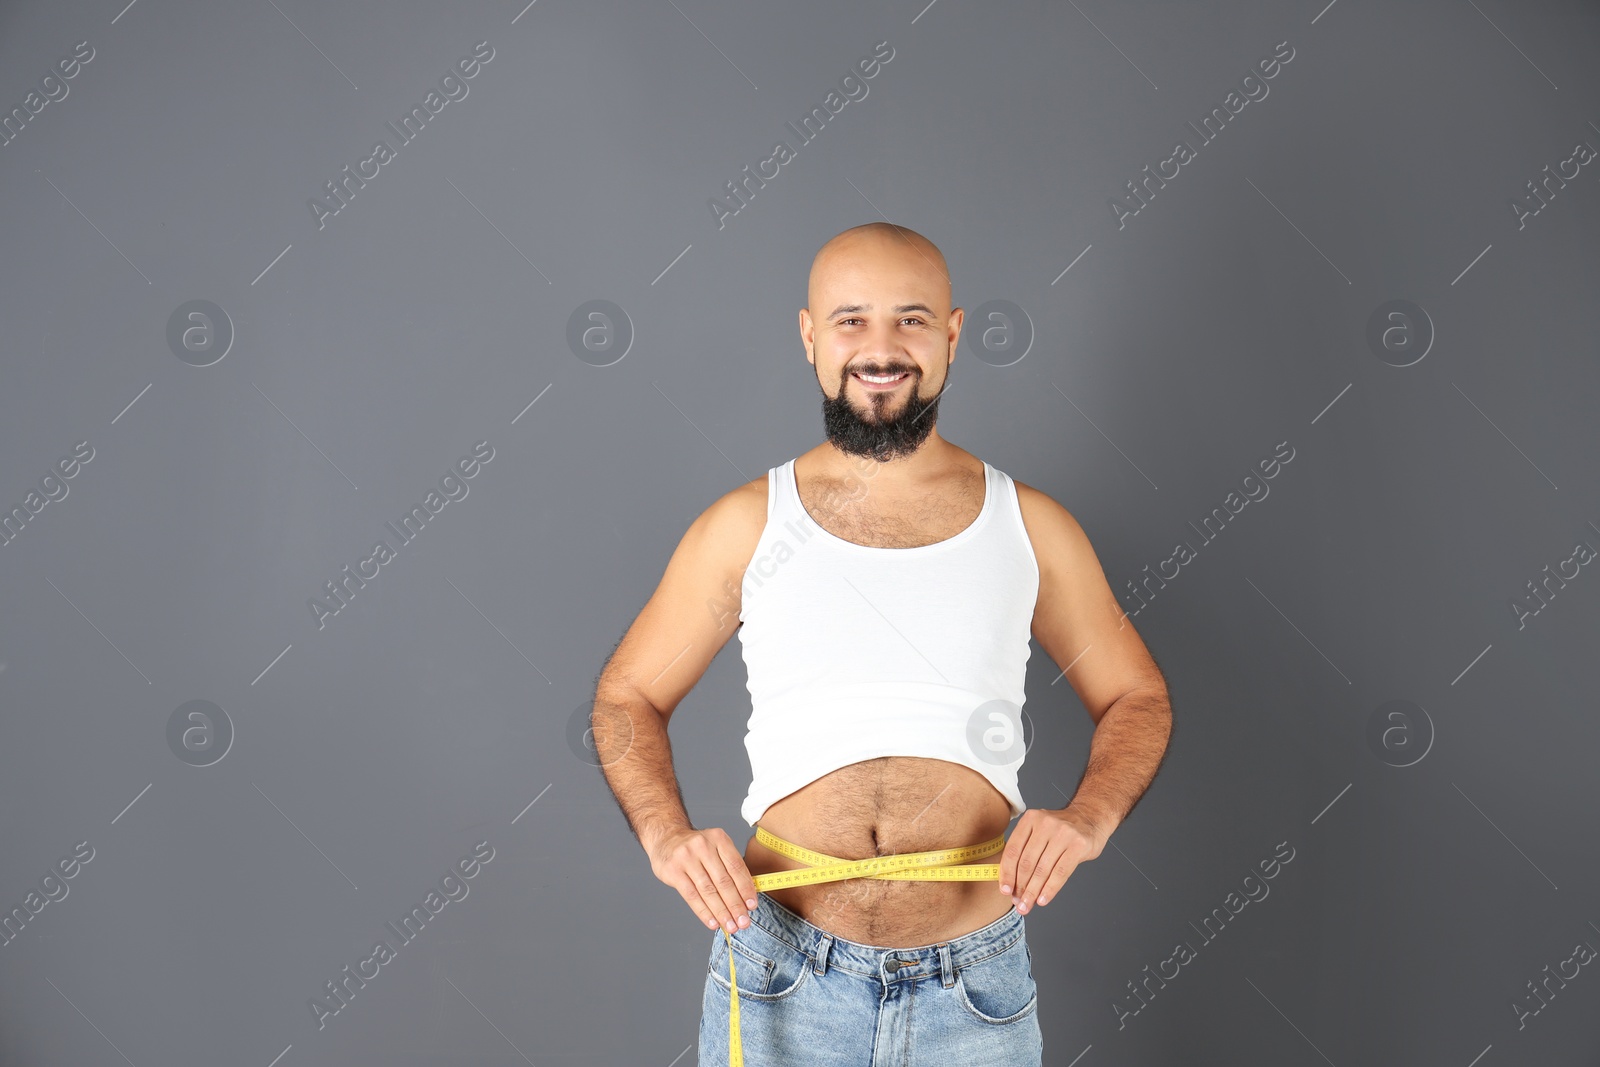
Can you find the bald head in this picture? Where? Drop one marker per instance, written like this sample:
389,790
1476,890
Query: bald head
882,251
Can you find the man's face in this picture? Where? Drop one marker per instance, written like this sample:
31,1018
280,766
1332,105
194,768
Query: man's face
878,316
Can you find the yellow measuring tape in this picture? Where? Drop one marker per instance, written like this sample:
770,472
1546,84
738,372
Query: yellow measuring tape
941,865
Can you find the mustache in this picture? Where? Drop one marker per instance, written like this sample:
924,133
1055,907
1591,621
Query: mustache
881,373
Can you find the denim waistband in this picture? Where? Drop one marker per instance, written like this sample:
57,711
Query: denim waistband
881,961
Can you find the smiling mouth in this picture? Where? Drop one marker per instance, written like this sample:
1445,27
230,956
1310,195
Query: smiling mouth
881,381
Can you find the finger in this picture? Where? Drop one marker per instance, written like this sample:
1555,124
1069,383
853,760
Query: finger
1013,853
1058,878
705,869
1027,866
1043,870
744,885
730,900
704,875
724,898
691,896
708,875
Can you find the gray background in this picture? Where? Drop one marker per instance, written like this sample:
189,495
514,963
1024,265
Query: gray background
361,759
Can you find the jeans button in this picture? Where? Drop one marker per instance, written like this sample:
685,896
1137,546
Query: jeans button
891,965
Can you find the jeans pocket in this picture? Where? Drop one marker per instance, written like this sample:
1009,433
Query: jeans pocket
766,966
999,989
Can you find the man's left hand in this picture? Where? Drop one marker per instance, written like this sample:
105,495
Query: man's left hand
1044,850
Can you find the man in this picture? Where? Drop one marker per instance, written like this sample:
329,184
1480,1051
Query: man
886,583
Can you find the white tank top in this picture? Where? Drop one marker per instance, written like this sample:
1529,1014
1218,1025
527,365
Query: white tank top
856,652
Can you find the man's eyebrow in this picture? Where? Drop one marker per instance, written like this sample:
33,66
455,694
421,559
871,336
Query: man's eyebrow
851,309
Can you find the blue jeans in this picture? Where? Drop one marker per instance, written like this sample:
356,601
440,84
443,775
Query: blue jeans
809,998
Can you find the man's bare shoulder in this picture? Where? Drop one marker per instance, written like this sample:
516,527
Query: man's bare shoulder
745,507
1038,502
734,522
1051,527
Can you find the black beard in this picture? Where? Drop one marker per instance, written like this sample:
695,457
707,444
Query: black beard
881,437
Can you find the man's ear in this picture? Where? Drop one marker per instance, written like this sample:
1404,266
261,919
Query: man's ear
811,355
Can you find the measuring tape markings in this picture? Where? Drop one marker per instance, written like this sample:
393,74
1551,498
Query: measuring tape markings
941,865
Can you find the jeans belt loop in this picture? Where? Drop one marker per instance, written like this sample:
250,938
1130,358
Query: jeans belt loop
821,966
947,971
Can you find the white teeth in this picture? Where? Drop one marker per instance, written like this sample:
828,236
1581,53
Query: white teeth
881,380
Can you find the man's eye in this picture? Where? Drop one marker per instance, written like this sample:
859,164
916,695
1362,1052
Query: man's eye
909,318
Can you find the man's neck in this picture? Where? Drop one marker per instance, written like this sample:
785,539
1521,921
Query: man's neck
933,459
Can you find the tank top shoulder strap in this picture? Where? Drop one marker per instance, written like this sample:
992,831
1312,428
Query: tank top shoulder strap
1008,492
782,495
1009,514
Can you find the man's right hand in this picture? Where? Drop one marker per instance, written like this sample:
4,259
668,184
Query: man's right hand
709,873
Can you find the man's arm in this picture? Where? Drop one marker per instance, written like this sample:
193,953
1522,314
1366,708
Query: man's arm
662,656
1085,631
1125,752
680,630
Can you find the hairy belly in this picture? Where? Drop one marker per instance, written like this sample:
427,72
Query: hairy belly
881,807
